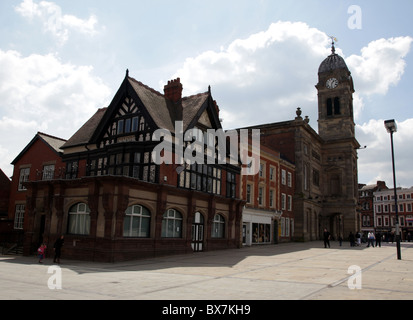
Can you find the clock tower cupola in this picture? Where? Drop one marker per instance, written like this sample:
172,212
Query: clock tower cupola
335,98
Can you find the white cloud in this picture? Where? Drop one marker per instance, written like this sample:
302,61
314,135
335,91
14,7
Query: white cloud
265,77
273,72
380,65
375,161
41,93
54,21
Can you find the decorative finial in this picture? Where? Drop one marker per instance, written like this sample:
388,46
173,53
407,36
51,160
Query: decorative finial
127,72
298,113
333,40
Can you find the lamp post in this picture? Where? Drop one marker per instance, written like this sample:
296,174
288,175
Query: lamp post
391,127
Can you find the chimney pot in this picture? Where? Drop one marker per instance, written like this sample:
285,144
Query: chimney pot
173,90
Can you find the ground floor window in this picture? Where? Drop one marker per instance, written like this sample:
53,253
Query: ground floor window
172,224
19,217
261,233
137,222
218,227
286,228
79,219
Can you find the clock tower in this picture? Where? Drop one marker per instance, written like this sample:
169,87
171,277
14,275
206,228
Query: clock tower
339,148
335,99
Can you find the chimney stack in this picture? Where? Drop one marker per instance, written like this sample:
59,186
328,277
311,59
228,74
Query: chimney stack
173,90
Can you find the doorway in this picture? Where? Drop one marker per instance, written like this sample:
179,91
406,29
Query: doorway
198,233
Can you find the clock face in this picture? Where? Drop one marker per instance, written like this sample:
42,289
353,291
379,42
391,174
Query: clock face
332,83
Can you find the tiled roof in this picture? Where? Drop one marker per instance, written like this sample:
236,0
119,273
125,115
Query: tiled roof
163,112
82,136
54,143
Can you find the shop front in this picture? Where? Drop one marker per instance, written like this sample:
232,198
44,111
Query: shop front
258,227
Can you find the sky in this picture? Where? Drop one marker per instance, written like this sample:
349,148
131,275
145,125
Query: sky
60,61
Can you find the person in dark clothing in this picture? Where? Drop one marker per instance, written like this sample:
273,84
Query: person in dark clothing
378,239
352,239
58,249
326,236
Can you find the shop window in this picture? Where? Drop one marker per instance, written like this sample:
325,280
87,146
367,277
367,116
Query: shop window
261,233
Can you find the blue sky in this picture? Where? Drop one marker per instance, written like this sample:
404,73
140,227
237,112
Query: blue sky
62,60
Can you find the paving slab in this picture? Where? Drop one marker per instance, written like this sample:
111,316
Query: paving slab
292,271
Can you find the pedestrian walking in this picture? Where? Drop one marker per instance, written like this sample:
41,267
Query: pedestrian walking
370,239
41,252
58,249
326,236
340,240
378,239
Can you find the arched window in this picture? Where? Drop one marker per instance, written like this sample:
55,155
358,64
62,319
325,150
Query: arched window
137,222
337,106
172,224
329,107
218,227
79,219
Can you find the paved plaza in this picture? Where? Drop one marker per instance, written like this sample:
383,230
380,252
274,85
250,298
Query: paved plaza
293,271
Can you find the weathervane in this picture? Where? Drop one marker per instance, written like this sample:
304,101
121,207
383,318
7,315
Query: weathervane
333,40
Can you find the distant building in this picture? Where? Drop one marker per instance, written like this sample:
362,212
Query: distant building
268,213
366,198
385,211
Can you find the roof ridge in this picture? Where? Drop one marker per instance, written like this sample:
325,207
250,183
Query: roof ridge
146,86
50,136
195,95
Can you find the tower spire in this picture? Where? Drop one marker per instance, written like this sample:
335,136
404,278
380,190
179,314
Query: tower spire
333,40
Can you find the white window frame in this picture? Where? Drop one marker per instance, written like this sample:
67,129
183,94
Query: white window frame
283,177
24,177
283,201
289,203
19,217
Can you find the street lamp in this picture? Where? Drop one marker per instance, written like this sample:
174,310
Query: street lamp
391,127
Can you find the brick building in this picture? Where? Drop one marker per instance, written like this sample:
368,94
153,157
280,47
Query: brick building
366,200
6,224
268,213
385,212
40,160
113,202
